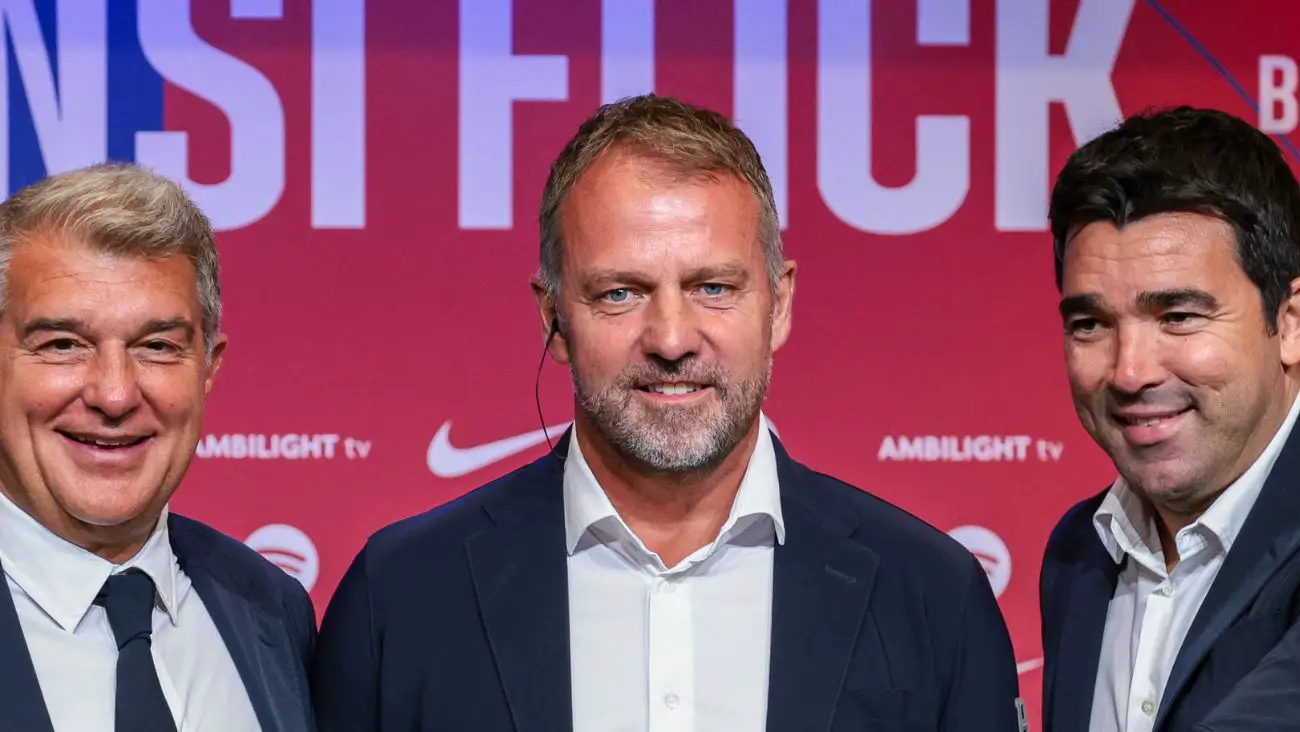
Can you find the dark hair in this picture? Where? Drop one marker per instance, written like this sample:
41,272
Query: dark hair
1188,160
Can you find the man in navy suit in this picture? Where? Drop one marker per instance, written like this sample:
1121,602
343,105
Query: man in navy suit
667,565
1170,600
120,615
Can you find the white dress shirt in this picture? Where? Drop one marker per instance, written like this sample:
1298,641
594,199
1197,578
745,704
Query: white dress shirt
671,649
53,584
1152,609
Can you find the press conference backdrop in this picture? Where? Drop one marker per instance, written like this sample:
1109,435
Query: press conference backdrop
374,170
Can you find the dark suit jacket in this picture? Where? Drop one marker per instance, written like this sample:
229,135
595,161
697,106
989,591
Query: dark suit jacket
263,614
1239,666
457,619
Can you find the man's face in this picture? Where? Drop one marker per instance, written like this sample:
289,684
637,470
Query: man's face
1171,365
103,379
668,319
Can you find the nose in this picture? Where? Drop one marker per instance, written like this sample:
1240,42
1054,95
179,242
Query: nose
672,329
1138,360
112,383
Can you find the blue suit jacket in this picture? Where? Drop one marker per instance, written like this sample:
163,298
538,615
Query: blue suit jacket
457,619
263,614
1239,666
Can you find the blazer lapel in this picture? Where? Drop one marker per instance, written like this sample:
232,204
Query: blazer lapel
20,692
520,576
249,634
1270,536
820,590
1078,647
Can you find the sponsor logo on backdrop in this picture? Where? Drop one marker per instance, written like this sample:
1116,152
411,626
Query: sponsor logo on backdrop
288,548
968,448
291,446
1025,667
445,460
991,552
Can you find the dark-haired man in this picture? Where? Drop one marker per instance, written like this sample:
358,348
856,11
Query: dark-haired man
1170,599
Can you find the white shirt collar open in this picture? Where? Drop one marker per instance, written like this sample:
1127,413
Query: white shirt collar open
588,511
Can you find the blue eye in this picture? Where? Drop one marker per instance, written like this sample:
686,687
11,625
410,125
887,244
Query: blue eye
619,295
714,290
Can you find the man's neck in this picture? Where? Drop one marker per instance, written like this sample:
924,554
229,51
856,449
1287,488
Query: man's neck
674,515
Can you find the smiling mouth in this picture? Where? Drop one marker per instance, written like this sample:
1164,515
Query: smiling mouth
105,442
672,388
1148,420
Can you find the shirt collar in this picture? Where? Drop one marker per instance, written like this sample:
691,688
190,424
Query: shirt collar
63,579
586,505
1122,510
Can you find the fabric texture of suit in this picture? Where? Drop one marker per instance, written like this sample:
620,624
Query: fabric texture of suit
264,616
1239,666
457,619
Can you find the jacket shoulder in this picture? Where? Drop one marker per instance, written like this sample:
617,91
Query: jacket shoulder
237,559
1074,524
446,526
891,531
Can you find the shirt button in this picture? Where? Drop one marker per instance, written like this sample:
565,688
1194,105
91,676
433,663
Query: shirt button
669,587
671,700
1148,707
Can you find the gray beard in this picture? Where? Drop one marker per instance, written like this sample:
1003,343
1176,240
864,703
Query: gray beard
675,440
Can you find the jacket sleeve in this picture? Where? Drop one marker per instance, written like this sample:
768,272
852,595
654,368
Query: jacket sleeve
345,666
984,695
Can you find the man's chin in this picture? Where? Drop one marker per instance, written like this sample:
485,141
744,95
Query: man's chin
109,503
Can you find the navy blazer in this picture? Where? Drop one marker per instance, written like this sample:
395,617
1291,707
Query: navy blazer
263,614
1239,666
457,619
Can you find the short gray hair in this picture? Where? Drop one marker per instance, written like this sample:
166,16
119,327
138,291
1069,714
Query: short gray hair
122,209
689,141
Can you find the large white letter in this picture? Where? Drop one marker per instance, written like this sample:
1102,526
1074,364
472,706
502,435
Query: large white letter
71,122
762,84
1029,79
844,136
627,48
241,92
338,114
491,79
1275,92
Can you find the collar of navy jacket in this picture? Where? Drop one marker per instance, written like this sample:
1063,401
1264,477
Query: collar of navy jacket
236,599
822,583
1269,537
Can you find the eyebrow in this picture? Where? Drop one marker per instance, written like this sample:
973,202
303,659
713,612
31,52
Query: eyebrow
726,271
1182,297
79,326
1150,300
40,325
1076,304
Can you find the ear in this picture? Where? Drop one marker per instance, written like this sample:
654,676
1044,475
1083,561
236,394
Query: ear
1288,326
783,307
214,365
552,332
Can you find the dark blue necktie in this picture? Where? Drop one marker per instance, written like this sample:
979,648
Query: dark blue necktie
128,600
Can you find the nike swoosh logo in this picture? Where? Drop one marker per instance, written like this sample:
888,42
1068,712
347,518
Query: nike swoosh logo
1026,666
445,460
